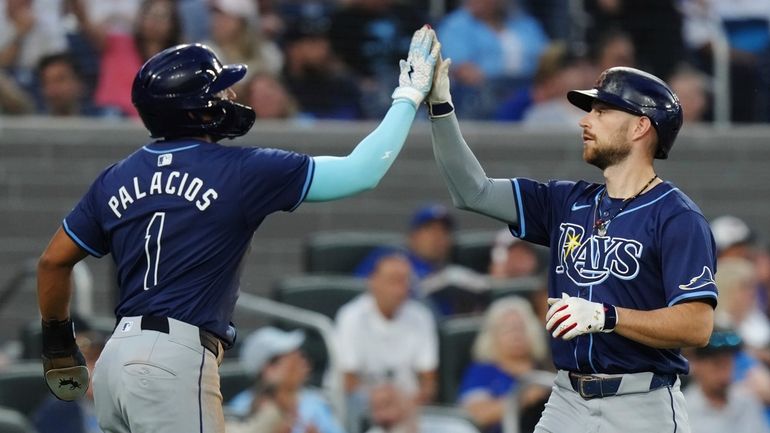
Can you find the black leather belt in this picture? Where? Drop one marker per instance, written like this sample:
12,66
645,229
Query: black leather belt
590,386
208,340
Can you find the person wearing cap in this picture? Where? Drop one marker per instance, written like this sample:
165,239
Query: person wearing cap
429,249
387,346
279,398
632,258
733,237
429,242
715,402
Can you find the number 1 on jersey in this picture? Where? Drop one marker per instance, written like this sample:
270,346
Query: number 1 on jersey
152,248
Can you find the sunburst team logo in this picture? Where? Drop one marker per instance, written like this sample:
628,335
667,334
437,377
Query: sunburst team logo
589,261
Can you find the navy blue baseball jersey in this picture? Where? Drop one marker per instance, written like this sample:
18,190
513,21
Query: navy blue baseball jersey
657,252
178,217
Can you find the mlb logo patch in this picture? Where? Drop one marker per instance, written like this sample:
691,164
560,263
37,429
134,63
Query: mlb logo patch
165,159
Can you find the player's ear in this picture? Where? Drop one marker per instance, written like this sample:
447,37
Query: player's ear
643,128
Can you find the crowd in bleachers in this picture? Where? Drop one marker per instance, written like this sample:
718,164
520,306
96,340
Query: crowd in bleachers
338,59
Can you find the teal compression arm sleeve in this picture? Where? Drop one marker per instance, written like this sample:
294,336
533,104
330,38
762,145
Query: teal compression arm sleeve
339,177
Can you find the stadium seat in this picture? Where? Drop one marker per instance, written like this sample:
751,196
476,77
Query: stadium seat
22,387
456,337
472,249
339,252
323,294
12,421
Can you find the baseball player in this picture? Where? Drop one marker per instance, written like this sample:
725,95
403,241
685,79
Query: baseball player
177,216
631,278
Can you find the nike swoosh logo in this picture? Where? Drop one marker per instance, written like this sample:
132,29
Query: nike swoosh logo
576,207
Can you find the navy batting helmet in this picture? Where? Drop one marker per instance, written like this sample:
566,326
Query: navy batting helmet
639,93
177,94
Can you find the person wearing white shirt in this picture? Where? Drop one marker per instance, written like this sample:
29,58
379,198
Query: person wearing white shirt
387,345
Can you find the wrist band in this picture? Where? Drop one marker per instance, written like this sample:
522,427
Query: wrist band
439,110
610,317
58,337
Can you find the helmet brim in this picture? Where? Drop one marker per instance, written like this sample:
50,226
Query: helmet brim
583,99
230,75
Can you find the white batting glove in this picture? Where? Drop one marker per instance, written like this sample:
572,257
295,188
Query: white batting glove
569,317
416,76
439,98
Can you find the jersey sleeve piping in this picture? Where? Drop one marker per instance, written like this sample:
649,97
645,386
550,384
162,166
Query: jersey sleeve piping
522,231
694,296
78,241
308,182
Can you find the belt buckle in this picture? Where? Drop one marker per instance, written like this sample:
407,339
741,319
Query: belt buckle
582,381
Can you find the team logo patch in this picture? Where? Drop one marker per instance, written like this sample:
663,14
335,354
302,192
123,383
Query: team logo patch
165,159
589,260
705,278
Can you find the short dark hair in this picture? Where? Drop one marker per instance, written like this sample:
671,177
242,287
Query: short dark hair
63,57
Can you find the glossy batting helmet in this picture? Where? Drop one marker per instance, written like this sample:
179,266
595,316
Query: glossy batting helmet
177,94
639,93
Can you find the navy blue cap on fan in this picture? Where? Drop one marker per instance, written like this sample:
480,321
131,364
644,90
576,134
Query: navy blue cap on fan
429,213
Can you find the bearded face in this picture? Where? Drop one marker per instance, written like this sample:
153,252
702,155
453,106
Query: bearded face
605,152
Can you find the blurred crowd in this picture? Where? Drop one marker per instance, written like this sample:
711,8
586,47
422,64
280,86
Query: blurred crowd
397,357
513,60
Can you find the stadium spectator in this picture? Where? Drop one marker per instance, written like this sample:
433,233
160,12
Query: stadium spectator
449,288
57,416
315,78
13,99
611,48
429,242
387,347
745,26
511,343
279,401
236,38
733,237
269,98
125,38
737,282
715,403
511,258
558,71
494,46
28,31
370,36
62,88
655,27
692,88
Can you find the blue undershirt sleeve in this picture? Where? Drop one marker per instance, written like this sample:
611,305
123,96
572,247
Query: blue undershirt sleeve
339,177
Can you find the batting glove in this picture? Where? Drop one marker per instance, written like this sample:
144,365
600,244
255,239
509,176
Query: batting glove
64,366
569,317
416,76
439,98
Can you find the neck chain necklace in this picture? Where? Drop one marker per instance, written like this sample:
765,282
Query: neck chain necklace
600,226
